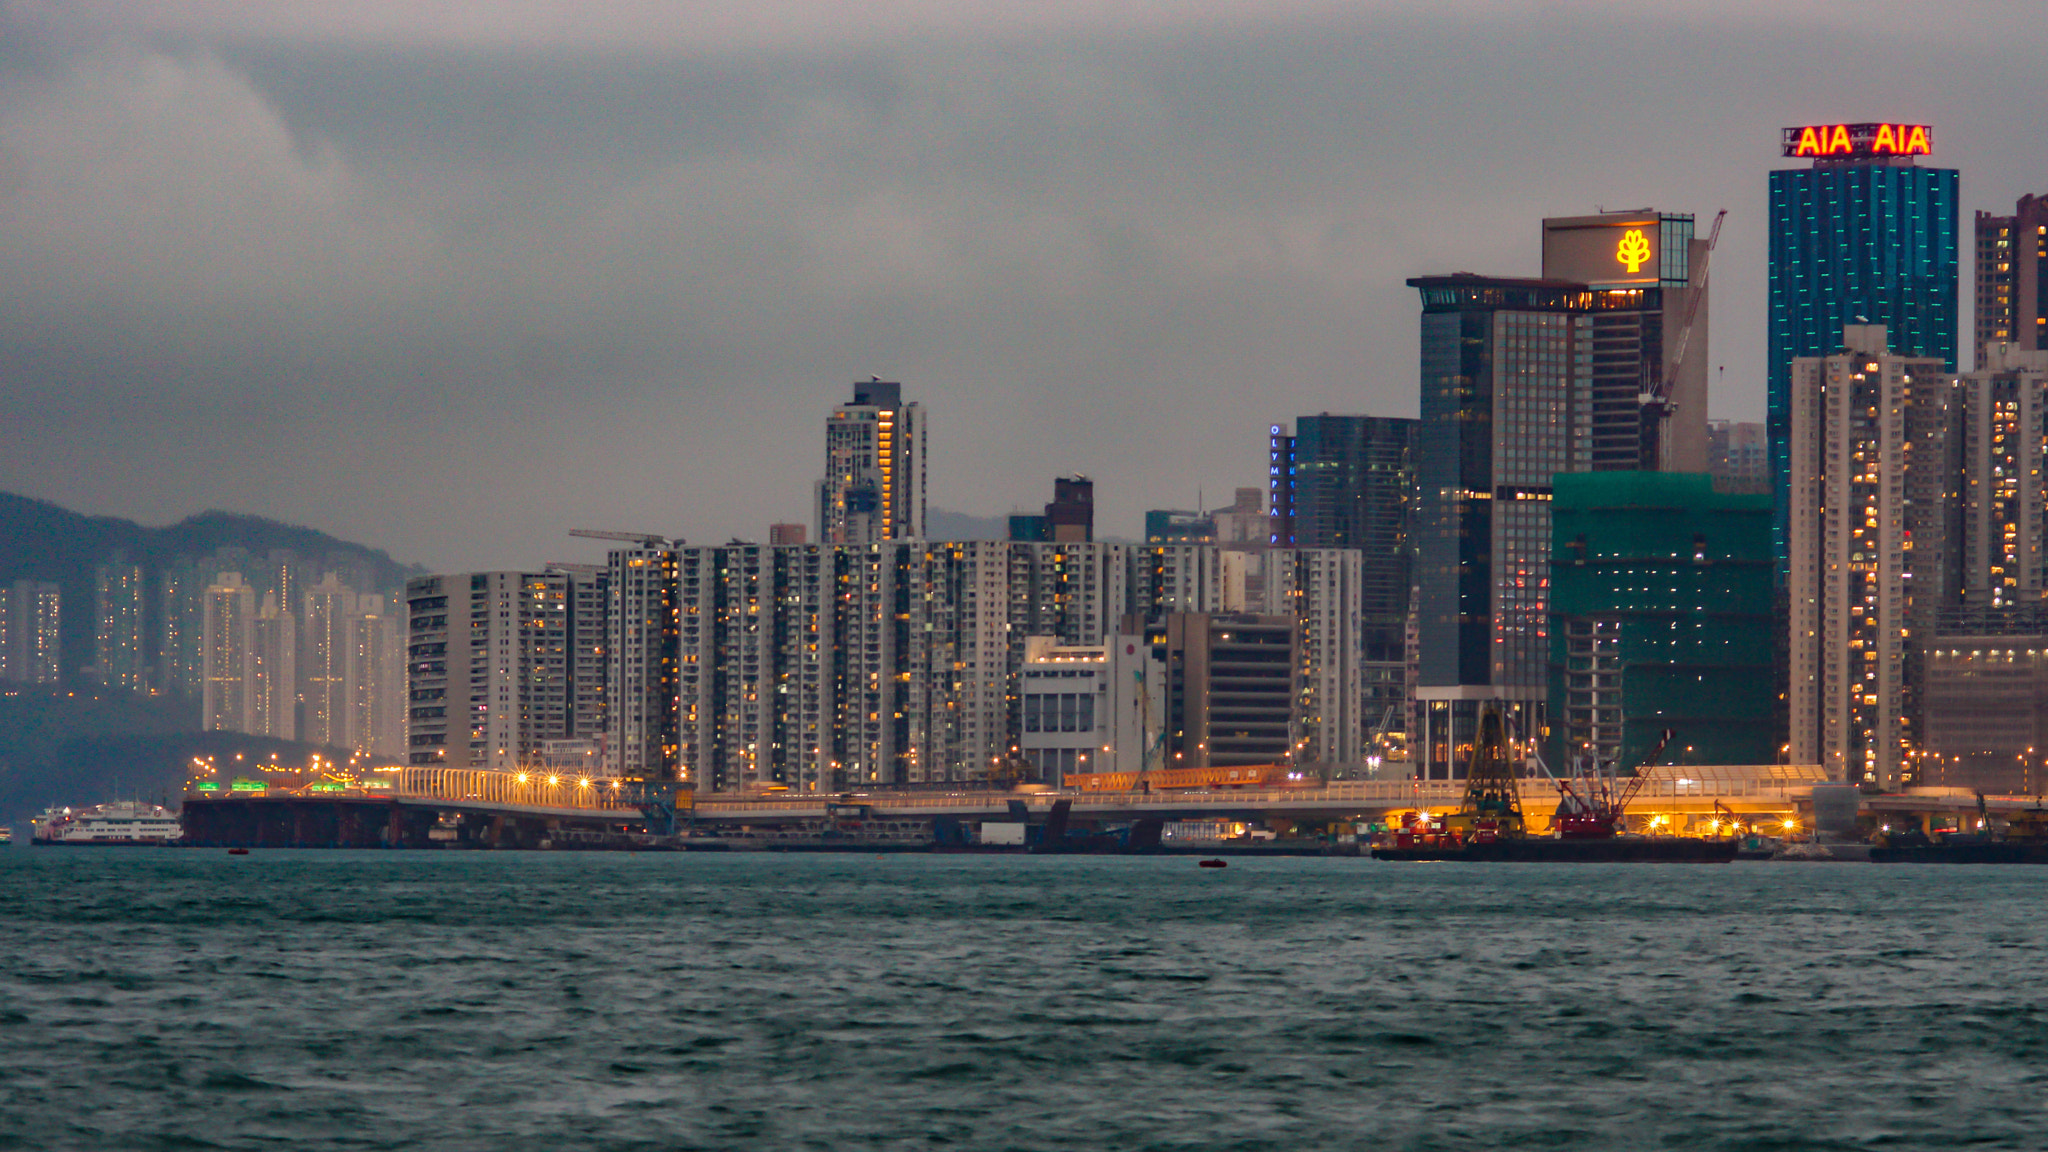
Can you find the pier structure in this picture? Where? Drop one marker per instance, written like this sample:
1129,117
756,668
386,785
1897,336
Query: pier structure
434,807
465,808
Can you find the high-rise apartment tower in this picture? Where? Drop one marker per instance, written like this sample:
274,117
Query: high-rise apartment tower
2012,278
1871,452
873,488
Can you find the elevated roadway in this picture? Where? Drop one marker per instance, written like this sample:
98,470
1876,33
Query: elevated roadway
419,807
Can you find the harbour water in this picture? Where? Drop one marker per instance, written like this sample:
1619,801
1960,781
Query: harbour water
163,999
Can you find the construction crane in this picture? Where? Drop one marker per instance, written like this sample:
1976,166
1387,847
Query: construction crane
644,539
1493,800
1655,398
1595,802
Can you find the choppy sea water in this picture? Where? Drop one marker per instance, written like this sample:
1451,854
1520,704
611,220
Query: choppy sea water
192,1000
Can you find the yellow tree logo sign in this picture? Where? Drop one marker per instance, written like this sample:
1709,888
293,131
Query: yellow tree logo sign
1634,249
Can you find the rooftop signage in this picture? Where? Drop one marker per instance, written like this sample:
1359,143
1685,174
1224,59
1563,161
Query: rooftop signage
1616,250
1828,140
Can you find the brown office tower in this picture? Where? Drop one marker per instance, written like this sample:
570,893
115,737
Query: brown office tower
1230,689
1070,518
1649,335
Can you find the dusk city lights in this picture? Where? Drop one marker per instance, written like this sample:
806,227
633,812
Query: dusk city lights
1213,576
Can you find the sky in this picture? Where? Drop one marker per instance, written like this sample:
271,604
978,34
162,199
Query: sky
451,283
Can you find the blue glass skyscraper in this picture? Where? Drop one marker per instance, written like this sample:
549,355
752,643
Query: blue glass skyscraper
1863,236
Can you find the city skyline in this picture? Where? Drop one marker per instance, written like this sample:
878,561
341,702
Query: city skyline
455,287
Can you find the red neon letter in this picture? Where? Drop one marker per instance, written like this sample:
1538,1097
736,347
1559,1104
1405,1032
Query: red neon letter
1917,142
1809,143
1838,140
1885,143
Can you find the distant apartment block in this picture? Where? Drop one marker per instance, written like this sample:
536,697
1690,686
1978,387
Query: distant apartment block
351,670
1322,590
181,615
644,631
1984,700
1738,458
226,654
273,676
379,697
31,619
119,655
2012,279
327,662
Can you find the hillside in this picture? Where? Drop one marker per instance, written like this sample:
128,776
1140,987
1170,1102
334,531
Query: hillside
60,747
43,541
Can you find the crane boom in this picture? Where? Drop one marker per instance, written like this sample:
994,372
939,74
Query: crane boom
1655,397
1692,304
644,539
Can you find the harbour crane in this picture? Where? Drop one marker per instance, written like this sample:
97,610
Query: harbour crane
1655,398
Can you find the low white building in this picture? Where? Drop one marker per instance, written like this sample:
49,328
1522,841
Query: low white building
1089,707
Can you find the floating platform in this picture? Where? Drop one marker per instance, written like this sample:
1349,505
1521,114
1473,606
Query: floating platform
1622,850
1975,852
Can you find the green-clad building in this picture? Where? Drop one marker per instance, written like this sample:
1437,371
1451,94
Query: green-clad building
1660,618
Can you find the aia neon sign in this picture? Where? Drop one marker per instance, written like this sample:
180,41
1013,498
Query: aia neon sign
1825,140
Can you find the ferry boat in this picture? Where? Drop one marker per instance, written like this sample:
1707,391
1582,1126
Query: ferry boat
122,823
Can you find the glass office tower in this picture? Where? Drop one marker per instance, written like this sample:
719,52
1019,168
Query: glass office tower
1507,383
1862,236
1349,482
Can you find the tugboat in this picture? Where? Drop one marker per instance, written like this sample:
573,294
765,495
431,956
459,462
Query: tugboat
1488,826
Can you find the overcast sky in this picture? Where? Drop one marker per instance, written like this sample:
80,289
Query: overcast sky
454,284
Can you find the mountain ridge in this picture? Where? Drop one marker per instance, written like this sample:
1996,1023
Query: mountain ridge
43,540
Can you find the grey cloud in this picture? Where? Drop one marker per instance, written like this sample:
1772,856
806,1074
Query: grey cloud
453,293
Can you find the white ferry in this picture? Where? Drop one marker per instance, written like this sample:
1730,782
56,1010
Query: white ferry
124,822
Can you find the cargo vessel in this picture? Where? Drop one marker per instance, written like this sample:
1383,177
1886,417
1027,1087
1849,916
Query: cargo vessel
1488,825
123,823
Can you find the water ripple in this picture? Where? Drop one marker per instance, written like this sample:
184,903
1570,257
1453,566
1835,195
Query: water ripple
186,1000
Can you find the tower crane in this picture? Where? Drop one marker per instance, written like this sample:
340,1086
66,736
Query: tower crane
1656,398
644,539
